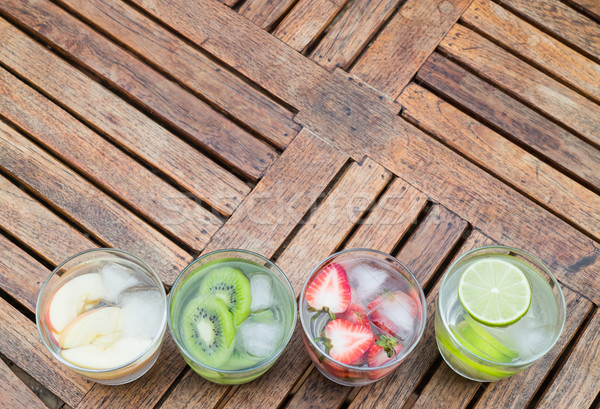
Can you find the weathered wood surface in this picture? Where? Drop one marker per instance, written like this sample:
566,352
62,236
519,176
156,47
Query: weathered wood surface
14,393
170,127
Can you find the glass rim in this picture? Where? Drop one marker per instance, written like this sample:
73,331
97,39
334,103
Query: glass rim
405,351
271,359
561,306
156,340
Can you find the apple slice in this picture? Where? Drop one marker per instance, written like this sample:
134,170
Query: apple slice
72,298
89,326
95,356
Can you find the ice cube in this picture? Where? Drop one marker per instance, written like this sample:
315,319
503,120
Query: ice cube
367,281
262,292
116,279
142,313
394,313
257,338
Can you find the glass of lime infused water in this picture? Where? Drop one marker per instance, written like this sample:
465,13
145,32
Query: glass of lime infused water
499,310
231,314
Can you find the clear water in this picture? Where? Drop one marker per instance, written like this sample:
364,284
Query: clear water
529,336
370,278
261,334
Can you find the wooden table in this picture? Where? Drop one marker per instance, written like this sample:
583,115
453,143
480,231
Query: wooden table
295,128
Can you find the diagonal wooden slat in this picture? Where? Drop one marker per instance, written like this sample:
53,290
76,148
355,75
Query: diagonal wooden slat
406,42
14,393
94,157
162,97
264,13
190,67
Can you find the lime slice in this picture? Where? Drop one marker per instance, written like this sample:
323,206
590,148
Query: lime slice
476,332
494,292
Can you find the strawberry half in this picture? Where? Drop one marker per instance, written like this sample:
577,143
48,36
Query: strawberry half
329,291
346,341
394,313
383,350
356,313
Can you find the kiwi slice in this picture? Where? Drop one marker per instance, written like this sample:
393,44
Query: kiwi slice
207,330
230,285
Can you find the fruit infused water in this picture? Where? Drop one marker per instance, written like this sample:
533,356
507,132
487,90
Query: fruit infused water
362,312
232,316
105,316
498,311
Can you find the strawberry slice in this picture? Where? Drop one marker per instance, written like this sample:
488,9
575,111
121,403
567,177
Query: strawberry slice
346,341
383,350
329,291
394,313
356,313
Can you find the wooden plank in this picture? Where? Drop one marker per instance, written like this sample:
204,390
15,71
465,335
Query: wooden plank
519,78
190,67
319,390
396,389
264,13
406,42
356,118
562,21
331,222
591,7
96,158
88,206
36,226
22,276
305,22
14,394
391,217
21,343
534,45
147,87
578,382
566,151
119,121
261,224
359,23
448,390
509,162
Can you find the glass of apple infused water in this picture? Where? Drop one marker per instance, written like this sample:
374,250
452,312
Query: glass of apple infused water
499,310
102,313
231,314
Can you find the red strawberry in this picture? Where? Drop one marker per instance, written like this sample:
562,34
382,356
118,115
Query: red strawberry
394,313
357,314
329,291
383,350
346,341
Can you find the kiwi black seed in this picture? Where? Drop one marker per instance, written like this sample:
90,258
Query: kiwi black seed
230,285
207,330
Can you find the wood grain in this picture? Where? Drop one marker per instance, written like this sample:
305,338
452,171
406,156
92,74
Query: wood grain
110,168
578,382
569,153
447,389
33,224
562,21
391,217
534,45
190,67
510,73
351,33
396,389
162,97
120,122
499,156
406,42
14,394
21,343
589,6
21,275
361,121
264,13
303,24
88,206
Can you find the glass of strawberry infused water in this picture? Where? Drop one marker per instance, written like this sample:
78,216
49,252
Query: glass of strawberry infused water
102,313
362,312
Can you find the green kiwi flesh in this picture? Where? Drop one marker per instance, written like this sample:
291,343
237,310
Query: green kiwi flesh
207,330
232,287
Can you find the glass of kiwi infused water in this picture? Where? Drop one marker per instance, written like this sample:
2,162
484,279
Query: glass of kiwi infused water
231,313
